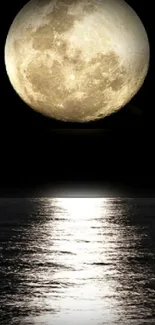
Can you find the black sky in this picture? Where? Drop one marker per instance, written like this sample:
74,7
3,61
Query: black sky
38,152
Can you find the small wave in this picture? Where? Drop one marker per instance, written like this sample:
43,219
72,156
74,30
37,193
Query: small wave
67,252
83,241
100,263
51,264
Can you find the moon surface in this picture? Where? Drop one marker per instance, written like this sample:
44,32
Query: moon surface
77,61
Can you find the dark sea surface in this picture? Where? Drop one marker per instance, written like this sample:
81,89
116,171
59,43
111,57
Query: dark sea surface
76,261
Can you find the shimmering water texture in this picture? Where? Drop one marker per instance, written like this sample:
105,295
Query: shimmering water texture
76,261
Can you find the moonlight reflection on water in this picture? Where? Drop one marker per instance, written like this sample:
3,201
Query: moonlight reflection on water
77,261
79,229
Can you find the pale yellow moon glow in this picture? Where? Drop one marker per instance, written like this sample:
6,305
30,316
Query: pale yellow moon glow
77,61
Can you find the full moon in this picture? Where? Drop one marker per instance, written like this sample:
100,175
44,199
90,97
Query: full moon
77,60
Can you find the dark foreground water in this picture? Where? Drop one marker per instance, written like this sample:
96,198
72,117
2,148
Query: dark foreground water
77,261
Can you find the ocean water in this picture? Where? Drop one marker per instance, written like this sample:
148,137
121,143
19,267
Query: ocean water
76,261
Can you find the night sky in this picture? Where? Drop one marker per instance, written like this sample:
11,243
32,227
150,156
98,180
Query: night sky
117,152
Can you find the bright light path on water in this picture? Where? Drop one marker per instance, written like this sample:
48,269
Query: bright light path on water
79,252
85,208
